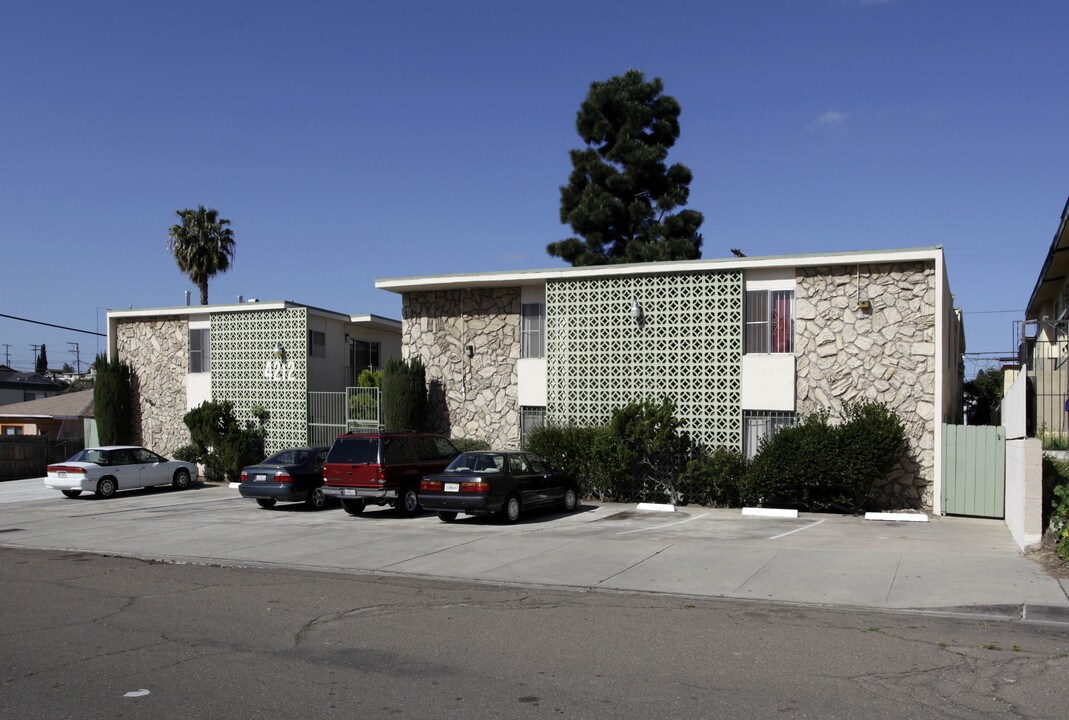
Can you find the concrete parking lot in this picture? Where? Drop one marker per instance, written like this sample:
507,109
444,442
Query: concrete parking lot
947,564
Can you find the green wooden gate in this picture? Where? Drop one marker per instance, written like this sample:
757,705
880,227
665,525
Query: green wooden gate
974,470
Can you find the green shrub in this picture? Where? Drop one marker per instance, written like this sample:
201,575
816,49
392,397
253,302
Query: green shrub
1056,501
713,478
186,453
222,443
820,466
649,448
113,401
576,451
404,394
469,444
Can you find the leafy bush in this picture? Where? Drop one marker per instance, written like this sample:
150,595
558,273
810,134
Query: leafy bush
1056,480
469,444
222,443
579,452
649,448
713,478
404,394
820,466
187,453
113,401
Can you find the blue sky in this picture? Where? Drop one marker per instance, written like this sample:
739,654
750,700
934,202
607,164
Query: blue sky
349,141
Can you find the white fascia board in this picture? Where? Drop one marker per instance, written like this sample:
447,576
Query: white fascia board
196,310
537,277
376,322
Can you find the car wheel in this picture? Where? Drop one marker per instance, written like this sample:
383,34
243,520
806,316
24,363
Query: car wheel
71,493
106,487
510,513
353,507
409,504
316,500
570,500
182,479
447,515
266,503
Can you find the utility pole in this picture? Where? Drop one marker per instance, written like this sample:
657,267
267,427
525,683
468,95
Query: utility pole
35,349
77,357
7,354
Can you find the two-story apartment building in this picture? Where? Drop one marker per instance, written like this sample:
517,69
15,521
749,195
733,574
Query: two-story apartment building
743,346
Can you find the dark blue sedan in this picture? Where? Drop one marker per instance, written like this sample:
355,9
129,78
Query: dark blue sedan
481,483
291,475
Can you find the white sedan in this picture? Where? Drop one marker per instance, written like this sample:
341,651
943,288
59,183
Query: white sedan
106,470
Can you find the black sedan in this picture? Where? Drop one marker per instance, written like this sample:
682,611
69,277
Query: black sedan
481,483
291,475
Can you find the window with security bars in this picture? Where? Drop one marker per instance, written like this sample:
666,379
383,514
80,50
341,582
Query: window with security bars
533,330
760,425
769,321
530,418
199,355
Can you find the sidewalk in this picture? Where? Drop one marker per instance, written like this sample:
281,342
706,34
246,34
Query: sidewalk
945,565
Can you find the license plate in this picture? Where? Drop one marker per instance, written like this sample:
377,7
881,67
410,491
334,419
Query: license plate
259,478
61,474
348,491
452,487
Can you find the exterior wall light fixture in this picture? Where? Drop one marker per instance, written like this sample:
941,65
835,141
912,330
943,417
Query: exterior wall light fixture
863,303
469,350
279,351
636,311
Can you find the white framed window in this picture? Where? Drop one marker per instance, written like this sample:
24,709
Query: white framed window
365,356
317,343
533,330
769,321
759,425
200,360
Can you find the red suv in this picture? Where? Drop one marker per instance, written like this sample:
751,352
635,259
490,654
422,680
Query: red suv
383,468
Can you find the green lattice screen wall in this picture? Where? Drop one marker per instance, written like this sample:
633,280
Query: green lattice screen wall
241,345
689,347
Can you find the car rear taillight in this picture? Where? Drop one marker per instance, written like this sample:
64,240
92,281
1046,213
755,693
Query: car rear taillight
474,487
430,485
69,469
380,476
281,476
244,476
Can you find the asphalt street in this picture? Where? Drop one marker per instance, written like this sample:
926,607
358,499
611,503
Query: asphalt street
90,636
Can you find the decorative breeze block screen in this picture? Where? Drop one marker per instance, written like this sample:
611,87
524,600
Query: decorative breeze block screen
687,344
246,371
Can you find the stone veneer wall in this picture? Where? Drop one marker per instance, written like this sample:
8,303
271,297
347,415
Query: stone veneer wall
158,352
886,354
469,397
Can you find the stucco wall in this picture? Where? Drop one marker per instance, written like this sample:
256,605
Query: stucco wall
158,352
469,397
886,354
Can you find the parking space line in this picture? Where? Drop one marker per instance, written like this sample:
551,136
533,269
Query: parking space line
792,532
657,527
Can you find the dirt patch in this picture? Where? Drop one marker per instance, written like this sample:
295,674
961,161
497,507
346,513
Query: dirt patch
1056,566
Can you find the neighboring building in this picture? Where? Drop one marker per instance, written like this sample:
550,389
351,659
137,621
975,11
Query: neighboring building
17,387
60,417
1045,340
744,346
273,354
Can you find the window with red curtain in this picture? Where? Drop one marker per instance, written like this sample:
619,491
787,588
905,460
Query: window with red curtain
769,321
782,321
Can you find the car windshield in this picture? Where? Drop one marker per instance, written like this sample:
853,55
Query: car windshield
288,457
477,463
91,455
354,450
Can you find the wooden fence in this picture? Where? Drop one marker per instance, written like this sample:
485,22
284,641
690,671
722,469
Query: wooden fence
27,456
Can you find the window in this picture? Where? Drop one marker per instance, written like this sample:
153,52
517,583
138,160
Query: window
12,429
317,343
532,330
530,418
769,325
199,356
365,355
760,425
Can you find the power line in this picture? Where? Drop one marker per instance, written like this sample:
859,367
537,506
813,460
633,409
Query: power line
61,327
993,312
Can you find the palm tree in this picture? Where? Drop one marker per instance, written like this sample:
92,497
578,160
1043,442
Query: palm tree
202,244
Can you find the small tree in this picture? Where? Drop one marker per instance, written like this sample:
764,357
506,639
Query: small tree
41,365
113,401
404,394
650,447
220,441
622,200
983,397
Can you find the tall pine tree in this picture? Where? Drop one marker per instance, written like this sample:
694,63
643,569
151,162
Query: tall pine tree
622,200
